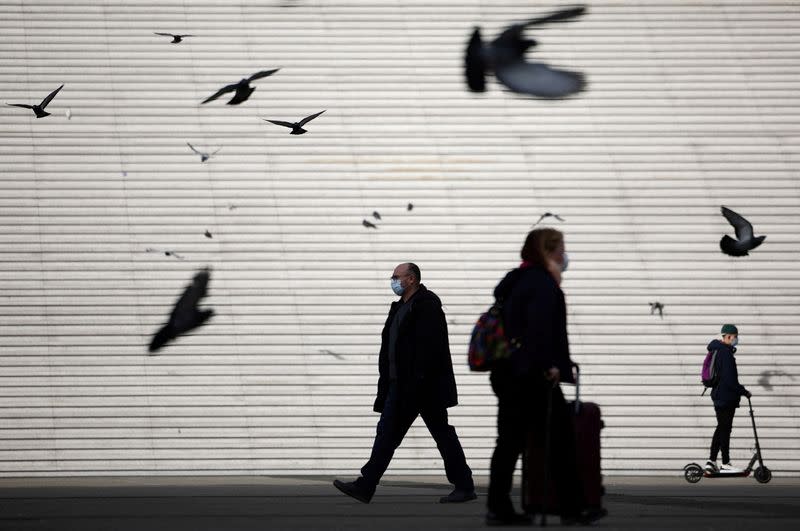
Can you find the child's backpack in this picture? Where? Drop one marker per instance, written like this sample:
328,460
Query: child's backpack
709,375
488,344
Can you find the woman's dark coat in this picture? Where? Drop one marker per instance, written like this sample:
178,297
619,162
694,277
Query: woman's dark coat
424,367
535,313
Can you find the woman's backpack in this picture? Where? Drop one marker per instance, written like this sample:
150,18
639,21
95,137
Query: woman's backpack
488,343
709,375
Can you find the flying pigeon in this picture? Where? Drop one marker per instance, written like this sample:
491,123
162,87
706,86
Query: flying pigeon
38,110
656,307
410,207
764,382
242,88
548,215
166,253
296,127
185,316
376,215
208,234
203,156
332,353
175,38
505,56
745,241
369,225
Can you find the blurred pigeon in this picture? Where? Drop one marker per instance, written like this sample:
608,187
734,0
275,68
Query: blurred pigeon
203,156
166,253
410,207
38,110
296,127
376,215
330,352
208,234
175,38
369,225
68,114
505,56
745,241
185,316
656,306
548,215
764,382
242,88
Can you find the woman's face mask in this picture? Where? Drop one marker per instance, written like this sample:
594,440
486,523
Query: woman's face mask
565,263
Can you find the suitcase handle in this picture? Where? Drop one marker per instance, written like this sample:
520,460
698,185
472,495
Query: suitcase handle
577,388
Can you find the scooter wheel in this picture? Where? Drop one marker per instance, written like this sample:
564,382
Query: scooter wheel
763,474
693,473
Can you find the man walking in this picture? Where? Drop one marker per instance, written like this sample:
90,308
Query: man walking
726,396
415,378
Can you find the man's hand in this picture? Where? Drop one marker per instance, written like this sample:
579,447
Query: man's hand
747,393
552,375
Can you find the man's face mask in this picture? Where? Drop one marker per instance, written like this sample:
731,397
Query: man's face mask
397,287
735,341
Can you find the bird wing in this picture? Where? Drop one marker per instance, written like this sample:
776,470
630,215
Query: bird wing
263,73
217,151
744,229
164,34
193,149
164,334
538,79
558,16
290,125
184,36
220,92
732,247
50,97
474,63
307,119
23,105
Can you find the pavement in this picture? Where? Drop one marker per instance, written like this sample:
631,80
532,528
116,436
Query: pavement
401,503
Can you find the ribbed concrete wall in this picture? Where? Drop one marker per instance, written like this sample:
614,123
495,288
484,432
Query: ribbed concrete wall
690,106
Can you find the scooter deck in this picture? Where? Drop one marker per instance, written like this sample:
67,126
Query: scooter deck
744,474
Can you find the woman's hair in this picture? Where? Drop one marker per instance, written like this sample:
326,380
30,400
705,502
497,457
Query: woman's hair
540,243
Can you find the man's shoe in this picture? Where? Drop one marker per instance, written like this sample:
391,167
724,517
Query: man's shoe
711,467
353,490
513,519
459,496
728,468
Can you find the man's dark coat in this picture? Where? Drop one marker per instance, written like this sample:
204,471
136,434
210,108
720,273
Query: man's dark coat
424,367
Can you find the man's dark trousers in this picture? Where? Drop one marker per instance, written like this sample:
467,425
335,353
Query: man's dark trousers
396,418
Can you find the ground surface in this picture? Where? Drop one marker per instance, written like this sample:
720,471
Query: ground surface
259,503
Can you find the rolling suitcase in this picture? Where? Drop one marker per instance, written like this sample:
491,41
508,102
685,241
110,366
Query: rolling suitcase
538,488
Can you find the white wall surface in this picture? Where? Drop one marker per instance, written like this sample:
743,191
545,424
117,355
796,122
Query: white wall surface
690,106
